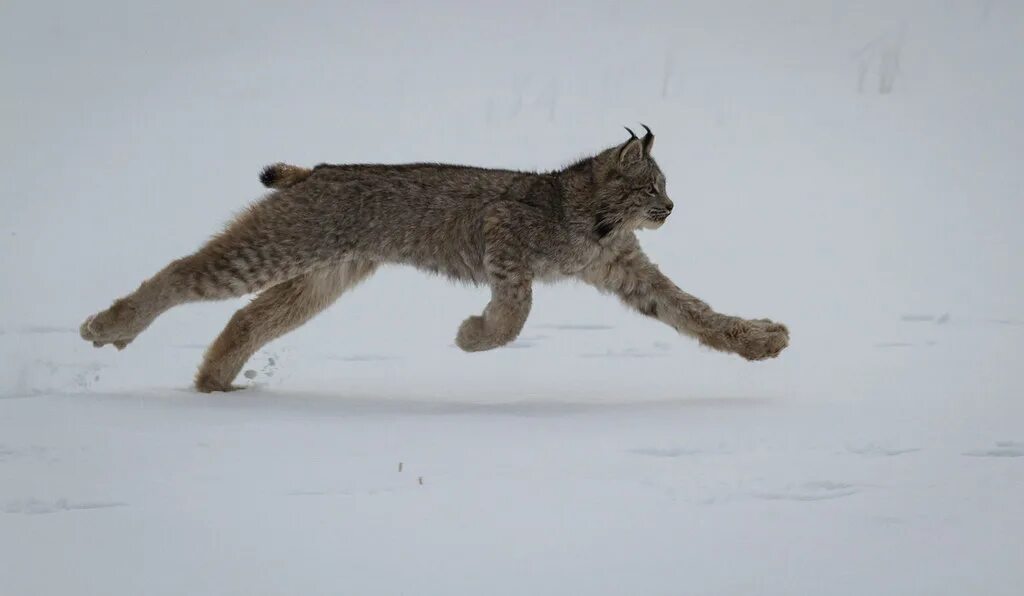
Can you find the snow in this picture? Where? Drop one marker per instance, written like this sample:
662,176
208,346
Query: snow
881,453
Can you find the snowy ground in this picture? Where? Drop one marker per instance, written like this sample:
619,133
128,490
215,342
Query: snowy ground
882,453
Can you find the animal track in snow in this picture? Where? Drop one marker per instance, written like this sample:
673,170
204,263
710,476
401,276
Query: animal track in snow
810,491
893,344
874,450
661,452
1007,321
268,369
922,318
1001,449
8,452
35,506
47,375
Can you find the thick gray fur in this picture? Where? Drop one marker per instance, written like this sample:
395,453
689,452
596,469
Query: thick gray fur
325,229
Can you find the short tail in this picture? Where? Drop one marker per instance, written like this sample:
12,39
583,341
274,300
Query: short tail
282,175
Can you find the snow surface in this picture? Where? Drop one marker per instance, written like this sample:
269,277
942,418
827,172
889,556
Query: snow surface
882,453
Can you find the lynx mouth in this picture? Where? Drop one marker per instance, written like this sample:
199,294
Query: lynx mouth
657,217
653,221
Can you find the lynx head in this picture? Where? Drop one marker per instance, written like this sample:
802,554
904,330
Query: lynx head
629,187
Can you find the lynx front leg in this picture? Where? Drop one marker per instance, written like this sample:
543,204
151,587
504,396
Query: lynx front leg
501,321
639,283
511,297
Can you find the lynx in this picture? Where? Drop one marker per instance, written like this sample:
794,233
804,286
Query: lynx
323,230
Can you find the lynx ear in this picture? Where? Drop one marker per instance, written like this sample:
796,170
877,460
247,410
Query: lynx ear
648,140
632,151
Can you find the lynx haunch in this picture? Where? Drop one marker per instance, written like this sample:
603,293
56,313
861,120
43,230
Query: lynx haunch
324,230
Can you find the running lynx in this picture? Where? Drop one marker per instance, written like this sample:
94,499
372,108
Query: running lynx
324,230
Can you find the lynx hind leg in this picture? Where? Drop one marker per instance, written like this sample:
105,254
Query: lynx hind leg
244,258
129,316
117,325
276,311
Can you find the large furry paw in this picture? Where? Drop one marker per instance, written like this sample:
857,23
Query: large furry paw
472,335
207,383
118,325
475,336
757,339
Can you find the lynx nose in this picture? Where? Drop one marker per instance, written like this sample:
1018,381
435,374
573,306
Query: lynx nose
669,205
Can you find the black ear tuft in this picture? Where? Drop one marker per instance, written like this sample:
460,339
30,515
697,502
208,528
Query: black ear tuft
648,140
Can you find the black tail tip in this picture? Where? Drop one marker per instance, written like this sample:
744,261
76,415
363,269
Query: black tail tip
270,175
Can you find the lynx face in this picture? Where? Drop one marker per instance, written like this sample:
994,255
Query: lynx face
647,196
632,192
